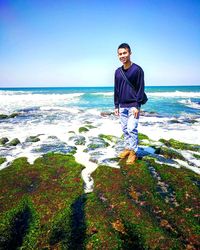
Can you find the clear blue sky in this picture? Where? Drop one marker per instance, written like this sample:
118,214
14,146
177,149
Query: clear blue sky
74,43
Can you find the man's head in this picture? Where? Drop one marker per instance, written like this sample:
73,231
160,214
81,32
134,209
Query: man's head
124,53
124,46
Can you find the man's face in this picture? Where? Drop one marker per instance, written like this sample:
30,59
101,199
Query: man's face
124,55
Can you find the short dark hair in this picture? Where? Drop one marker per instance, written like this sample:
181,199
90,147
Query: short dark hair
124,46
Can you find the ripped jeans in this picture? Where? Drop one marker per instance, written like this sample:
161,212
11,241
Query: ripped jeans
129,127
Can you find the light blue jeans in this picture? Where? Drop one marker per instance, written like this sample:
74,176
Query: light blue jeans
129,127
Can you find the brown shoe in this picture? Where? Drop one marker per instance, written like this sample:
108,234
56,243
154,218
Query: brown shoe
131,158
124,153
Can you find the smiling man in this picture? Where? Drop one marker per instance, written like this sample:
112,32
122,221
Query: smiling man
128,95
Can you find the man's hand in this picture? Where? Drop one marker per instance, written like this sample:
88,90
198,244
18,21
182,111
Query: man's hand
117,111
136,113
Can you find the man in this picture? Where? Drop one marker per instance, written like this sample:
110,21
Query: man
127,100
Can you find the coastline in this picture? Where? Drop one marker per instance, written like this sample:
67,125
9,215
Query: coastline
61,178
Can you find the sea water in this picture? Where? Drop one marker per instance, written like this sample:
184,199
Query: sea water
53,114
171,110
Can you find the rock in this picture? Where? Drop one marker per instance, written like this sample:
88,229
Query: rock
2,116
95,156
174,121
2,160
32,139
83,129
169,153
71,132
96,142
57,146
14,142
90,126
142,136
149,114
180,145
111,138
104,114
13,115
78,139
3,140
53,137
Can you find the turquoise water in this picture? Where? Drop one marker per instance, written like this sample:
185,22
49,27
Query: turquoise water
163,100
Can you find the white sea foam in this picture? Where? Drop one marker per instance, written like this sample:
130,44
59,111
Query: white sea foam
9,92
103,93
186,165
10,103
71,119
180,132
190,104
178,94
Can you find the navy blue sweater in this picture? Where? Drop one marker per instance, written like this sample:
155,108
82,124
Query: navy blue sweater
124,94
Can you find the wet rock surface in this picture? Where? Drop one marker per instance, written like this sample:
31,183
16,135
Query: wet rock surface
147,205
14,142
3,140
78,139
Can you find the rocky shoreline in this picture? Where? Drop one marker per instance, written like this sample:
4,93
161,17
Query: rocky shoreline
153,204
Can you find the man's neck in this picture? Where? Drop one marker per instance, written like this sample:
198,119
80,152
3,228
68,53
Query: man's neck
127,65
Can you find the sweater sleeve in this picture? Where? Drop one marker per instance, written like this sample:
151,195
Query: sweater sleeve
140,87
116,94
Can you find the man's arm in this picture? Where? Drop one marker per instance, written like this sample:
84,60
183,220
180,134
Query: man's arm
116,98
140,86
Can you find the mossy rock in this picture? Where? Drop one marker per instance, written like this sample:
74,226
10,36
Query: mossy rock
94,146
2,160
131,195
71,132
111,138
51,186
196,156
96,142
2,116
142,136
180,145
32,139
83,130
19,226
14,142
3,140
169,153
78,139
89,126
175,121
13,115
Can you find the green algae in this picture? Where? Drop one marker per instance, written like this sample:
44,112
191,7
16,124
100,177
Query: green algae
180,145
83,129
2,160
169,153
13,115
125,211
196,156
19,226
140,206
32,139
142,136
3,140
89,126
14,142
110,138
51,184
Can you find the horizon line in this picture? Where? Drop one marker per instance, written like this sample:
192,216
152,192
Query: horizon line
103,86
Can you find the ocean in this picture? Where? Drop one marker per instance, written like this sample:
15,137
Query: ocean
169,101
171,112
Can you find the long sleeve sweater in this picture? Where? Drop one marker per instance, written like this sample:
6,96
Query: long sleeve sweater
124,94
